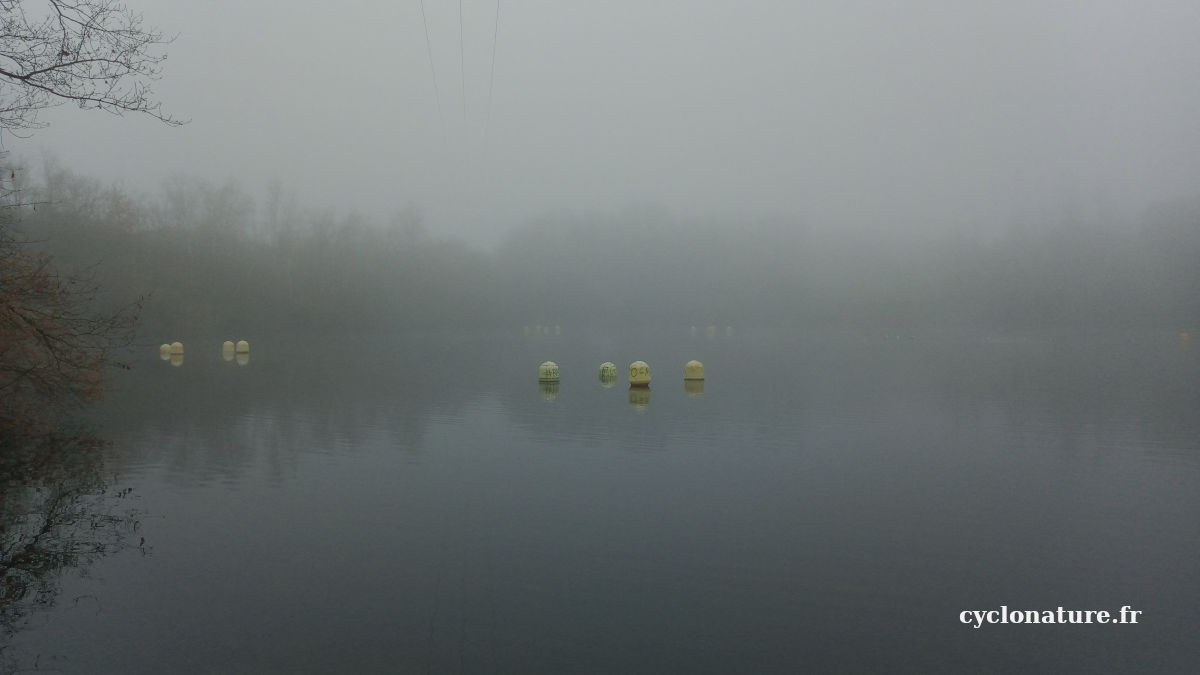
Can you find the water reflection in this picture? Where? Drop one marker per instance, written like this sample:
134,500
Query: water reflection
693,387
177,360
243,358
58,513
548,390
518,536
639,398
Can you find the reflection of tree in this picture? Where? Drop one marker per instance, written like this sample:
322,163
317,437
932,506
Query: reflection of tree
57,513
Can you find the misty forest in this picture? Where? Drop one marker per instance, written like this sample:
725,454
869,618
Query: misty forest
208,258
950,258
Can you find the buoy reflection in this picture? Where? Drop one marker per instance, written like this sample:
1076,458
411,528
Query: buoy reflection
548,390
177,359
639,398
243,358
693,387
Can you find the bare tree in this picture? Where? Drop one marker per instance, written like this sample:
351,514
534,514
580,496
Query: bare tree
54,347
54,344
95,53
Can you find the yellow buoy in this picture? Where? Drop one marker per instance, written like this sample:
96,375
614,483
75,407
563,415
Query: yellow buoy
1184,339
608,374
243,347
176,347
548,372
639,374
693,370
164,352
227,346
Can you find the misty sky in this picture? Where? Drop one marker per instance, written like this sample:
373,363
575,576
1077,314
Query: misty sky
883,114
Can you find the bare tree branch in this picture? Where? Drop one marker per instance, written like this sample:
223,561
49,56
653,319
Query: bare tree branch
95,53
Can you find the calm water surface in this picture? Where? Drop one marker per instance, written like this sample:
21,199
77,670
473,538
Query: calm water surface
827,503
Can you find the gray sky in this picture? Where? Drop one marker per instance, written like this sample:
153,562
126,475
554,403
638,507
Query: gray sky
885,114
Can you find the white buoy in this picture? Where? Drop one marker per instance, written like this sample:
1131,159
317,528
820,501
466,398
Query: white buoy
557,329
176,347
693,370
243,347
608,370
639,374
227,346
548,372
164,352
710,332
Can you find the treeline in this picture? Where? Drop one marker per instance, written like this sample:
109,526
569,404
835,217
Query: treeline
212,260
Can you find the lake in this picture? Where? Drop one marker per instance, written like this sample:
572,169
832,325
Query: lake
825,502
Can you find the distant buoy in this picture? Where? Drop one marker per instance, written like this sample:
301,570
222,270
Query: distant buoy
176,347
164,352
608,370
693,370
557,329
693,331
728,331
639,374
710,332
548,372
243,347
1185,338
227,346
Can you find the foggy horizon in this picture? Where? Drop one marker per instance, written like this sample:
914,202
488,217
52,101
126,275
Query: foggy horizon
924,118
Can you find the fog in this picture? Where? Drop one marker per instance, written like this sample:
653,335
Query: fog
922,119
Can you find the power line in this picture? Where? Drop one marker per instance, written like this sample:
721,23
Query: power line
433,73
462,61
487,123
